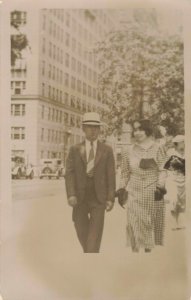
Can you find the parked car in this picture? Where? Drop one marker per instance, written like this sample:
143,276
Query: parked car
21,170
51,168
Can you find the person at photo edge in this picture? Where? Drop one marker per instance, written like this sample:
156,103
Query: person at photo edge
143,176
90,184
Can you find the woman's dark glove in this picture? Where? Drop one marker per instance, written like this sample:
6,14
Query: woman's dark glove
159,193
122,196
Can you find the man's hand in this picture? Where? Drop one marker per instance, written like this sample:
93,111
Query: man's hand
109,205
72,201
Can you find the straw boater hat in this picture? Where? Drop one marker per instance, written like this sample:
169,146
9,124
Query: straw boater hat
91,118
178,139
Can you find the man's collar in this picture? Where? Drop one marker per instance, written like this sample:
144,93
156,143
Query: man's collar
89,142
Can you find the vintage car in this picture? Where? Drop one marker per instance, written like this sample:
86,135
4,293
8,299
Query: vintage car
51,168
21,170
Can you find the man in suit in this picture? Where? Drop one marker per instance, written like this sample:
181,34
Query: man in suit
90,184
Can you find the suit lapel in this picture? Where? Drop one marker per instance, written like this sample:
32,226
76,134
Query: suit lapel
83,152
99,153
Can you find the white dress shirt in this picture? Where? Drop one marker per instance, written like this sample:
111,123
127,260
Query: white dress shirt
88,147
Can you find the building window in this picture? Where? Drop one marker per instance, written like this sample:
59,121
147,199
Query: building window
78,104
84,89
43,45
73,104
66,79
42,154
57,118
57,75
78,123
58,54
73,83
90,74
79,67
48,135
62,35
73,44
49,92
60,96
18,86
43,89
89,91
60,120
73,64
42,112
54,51
79,49
79,85
49,113
84,71
73,25
53,93
85,54
66,97
61,76
44,22
53,73
42,134
72,120
90,57
54,30
67,60
43,68
84,107
50,49
57,94
66,118
50,28
18,109
95,77
67,40
61,56
68,20
17,133
94,93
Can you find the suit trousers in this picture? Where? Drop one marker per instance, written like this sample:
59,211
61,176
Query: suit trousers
88,217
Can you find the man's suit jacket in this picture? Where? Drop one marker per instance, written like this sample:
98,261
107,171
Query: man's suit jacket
104,172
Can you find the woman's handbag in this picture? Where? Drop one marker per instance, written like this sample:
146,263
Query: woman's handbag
159,193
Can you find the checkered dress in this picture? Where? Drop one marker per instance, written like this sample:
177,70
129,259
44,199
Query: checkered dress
145,216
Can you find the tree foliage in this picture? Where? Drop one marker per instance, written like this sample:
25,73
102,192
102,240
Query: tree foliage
19,41
141,75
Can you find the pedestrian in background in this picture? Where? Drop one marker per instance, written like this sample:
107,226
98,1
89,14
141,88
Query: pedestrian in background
90,184
143,176
176,167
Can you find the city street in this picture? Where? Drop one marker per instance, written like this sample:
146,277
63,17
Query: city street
43,259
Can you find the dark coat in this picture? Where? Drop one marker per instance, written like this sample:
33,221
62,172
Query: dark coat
104,172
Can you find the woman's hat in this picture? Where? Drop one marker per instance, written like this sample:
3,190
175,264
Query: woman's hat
91,118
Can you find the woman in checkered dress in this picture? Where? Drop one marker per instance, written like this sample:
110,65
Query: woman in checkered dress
140,176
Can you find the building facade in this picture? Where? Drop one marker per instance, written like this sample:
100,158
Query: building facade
55,80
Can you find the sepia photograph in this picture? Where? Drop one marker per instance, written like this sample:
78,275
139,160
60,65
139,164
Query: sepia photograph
94,136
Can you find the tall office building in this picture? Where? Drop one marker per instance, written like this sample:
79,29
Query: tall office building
55,80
